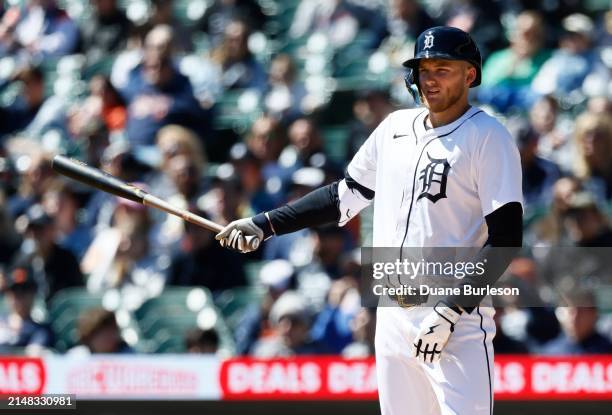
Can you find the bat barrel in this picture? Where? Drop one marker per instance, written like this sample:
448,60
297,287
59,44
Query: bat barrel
99,179
91,176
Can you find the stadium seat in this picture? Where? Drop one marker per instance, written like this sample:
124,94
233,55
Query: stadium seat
252,272
334,142
173,313
237,109
64,310
175,301
234,302
100,67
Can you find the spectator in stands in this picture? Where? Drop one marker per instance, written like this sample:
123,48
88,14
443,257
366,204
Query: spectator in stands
32,113
304,142
370,109
157,94
225,201
186,177
539,174
265,140
198,341
276,277
296,246
284,98
578,317
332,326
17,327
508,73
202,262
34,182
549,230
593,137
525,318
124,255
314,279
333,18
363,327
555,142
290,320
39,29
162,13
98,332
103,106
18,115
503,343
95,139
54,267
480,18
10,241
240,68
249,169
220,13
407,19
568,67
585,223
599,104
119,160
63,202
175,141
106,32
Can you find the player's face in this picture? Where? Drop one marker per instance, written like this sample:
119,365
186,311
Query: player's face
444,83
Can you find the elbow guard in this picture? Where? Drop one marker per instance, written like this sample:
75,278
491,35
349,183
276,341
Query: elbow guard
350,201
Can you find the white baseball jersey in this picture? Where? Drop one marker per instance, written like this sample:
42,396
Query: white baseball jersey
433,187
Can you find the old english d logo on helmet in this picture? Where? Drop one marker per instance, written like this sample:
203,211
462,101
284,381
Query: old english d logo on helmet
429,40
443,42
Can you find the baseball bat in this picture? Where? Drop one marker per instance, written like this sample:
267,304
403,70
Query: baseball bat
79,171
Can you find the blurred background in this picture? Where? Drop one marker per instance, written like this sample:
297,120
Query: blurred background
233,107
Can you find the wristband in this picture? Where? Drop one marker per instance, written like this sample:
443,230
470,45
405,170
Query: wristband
262,221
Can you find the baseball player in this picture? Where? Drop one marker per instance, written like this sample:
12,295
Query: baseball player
444,174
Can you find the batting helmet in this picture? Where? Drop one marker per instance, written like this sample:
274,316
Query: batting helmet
443,42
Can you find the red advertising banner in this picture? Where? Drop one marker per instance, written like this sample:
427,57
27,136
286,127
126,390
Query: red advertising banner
554,378
21,376
516,378
301,378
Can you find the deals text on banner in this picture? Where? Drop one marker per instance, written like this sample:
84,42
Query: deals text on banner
321,378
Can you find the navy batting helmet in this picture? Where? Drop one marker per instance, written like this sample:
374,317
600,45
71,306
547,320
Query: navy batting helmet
443,42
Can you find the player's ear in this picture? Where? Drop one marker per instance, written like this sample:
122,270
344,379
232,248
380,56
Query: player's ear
470,74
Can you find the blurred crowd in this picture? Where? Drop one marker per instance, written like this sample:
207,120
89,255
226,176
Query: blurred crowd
233,107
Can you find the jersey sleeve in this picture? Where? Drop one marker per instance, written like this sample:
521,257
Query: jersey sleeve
362,167
498,171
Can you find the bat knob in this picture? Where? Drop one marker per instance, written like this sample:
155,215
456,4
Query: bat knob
253,242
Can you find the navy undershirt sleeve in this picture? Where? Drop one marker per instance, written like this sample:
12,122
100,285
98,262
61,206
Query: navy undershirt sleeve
317,208
505,230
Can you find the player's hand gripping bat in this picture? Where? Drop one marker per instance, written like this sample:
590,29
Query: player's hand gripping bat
99,179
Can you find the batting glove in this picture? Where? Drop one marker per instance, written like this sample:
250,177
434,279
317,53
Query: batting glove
233,236
434,332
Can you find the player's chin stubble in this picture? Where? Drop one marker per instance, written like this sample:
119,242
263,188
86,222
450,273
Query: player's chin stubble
441,105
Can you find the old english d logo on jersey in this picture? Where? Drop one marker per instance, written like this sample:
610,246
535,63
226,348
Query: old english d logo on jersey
433,177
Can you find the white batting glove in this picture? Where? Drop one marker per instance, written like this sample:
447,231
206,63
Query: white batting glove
434,332
234,235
